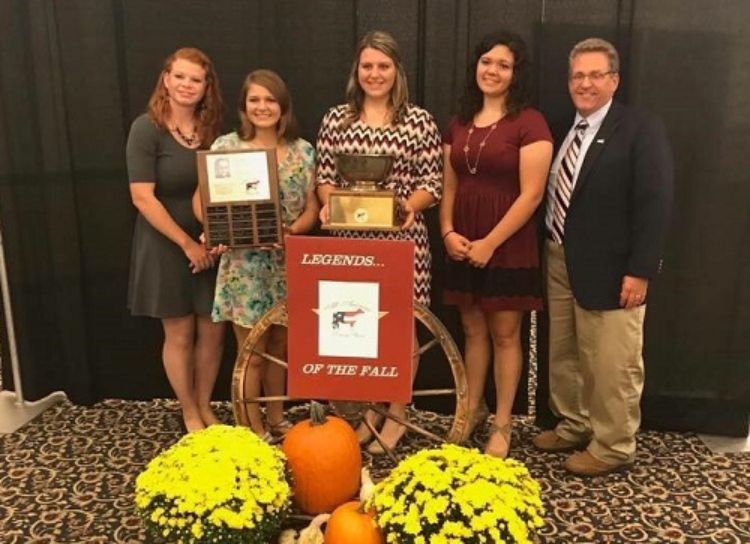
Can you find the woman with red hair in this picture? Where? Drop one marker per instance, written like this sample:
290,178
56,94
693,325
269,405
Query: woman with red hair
171,272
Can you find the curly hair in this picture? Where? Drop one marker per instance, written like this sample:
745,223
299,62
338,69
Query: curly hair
209,110
385,43
519,92
287,128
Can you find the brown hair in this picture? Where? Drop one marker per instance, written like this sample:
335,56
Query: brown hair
287,128
519,91
355,96
208,111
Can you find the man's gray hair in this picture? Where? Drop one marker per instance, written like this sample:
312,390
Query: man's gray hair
597,45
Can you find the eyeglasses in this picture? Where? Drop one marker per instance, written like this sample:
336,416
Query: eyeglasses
594,77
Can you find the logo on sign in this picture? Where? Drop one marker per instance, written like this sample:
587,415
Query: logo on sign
347,317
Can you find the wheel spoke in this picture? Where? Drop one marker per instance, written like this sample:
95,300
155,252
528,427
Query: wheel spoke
282,398
426,346
388,450
406,423
432,392
271,358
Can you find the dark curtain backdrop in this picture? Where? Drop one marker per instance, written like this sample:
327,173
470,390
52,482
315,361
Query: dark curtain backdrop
74,73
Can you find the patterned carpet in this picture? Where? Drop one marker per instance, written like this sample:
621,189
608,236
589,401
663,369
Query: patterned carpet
68,477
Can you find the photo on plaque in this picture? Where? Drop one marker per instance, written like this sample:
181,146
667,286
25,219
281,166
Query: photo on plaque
240,197
237,177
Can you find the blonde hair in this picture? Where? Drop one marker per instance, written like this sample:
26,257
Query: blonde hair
208,111
399,96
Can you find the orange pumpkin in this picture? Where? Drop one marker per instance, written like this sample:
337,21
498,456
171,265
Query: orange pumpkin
349,524
325,460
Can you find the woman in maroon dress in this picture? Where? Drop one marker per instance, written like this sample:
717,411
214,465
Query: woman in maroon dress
497,156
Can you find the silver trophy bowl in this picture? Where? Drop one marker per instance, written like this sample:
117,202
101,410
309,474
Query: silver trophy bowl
363,170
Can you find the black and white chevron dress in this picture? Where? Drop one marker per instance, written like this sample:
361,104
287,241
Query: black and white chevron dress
415,142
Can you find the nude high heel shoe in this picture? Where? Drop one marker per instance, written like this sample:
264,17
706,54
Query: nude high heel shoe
364,434
505,432
473,419
376,449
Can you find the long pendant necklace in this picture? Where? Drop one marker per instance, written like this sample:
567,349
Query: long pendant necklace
473,169
189,140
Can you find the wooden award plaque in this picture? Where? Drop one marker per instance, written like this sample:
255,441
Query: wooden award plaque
240,197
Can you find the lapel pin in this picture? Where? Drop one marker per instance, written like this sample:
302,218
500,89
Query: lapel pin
600,141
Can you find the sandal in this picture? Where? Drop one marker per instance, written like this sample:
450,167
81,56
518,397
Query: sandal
364,434
375,448
473,419
279,430
505,433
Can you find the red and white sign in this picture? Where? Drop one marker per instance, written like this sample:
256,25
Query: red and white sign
351,318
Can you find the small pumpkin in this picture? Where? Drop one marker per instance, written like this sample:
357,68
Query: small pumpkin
325,459
349,523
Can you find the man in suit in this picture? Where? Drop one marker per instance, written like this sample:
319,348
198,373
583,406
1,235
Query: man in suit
608,203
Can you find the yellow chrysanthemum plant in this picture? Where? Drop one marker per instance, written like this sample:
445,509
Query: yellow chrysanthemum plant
457,495
221,485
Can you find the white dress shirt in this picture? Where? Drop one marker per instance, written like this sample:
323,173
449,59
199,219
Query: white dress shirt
595,122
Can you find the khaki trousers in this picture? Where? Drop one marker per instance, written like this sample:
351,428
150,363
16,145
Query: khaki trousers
595,368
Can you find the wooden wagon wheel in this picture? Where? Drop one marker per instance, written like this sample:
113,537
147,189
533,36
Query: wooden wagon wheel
439,337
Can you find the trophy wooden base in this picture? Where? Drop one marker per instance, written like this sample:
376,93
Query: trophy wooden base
362,210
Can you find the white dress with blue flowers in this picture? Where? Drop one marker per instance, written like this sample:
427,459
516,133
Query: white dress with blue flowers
251,281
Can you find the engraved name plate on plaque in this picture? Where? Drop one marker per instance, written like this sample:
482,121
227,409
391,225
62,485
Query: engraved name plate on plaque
240,196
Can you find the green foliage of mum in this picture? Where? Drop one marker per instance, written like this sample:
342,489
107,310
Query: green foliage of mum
458,495
220,485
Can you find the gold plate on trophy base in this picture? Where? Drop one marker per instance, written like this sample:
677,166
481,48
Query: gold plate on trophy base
362,210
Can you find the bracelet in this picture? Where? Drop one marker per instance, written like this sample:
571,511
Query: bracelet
447,233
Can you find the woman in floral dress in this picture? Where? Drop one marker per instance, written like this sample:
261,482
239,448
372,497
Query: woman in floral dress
251,281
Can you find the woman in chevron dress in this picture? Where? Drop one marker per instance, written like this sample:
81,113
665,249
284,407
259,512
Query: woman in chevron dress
378,119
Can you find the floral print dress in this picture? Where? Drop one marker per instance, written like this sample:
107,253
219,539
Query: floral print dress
251,281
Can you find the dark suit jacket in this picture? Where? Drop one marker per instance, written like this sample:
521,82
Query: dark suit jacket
619,210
